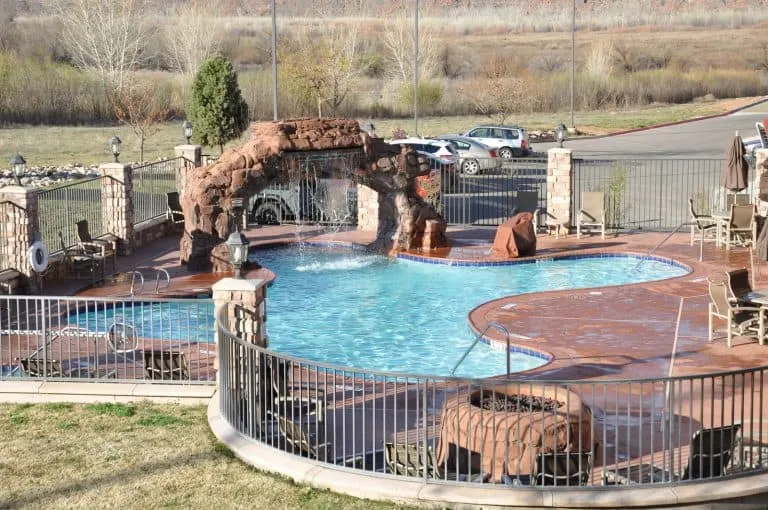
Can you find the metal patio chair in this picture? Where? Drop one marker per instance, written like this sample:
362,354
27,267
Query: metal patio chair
702,224
174,214
104,248
740,320
290,399
563,468
741,229
166,366
527,201
408,460
739,285
36,367
306,442
78,262
592,212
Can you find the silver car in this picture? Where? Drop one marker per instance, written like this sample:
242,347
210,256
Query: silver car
474,157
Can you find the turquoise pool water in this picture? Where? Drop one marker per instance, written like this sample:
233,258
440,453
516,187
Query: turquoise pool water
369,311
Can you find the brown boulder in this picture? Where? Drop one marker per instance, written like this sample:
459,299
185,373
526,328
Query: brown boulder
515,238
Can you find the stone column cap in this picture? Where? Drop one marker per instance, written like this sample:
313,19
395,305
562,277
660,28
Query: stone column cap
17,190
237,285
114,166
558,150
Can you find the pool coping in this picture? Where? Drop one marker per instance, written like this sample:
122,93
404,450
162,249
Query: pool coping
389,488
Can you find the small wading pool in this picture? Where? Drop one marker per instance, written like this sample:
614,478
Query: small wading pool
371,312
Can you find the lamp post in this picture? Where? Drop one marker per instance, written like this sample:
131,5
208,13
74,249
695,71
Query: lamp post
416,70
187,127
560,132
274,61
238,251
17,164
114,145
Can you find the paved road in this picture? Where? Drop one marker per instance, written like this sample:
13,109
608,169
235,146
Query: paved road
699,139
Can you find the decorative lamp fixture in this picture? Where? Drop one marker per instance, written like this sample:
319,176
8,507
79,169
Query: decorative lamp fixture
114,145
238,251
187,127
560,132
18,164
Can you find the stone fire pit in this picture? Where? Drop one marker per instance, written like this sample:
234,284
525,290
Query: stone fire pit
503,428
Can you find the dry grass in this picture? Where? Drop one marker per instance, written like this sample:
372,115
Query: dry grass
55,145
142,456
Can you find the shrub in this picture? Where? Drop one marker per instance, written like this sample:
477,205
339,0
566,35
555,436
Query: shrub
430,96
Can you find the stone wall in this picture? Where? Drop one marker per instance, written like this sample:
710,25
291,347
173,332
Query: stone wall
117,211
367,209
559,192
20,228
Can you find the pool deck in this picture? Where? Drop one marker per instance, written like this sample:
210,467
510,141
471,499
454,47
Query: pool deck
610,332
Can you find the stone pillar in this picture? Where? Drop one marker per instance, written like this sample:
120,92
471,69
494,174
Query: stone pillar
117,212
367,208
247,315
761,166
21,227
559,192
193,158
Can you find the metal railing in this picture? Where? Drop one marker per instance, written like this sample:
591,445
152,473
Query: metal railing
491,195
60,208
95,340
480,336
151,182
650,194
521,432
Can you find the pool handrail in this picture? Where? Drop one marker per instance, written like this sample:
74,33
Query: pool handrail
480,336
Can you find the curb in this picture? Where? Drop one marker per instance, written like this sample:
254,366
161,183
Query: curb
674,123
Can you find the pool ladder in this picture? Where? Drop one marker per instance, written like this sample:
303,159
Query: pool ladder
165,282
666,238
480,336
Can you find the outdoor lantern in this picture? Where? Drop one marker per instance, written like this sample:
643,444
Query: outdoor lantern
17,164
560,132
114,145
238,251
187,126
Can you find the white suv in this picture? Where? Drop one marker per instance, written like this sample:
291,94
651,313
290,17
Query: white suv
442,150
509,141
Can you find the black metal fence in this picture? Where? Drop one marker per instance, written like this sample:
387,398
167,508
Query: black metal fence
490,196
650,194
60,209
511,432
151,182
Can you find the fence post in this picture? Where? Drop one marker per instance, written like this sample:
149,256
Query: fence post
367,209
117,211
21,228
192,158
559,188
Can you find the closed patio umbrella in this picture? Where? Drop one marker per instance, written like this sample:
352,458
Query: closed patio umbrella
734,177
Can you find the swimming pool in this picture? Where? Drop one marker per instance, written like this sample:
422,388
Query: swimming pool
368,311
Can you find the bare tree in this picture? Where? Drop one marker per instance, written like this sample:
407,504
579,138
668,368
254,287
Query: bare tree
398,41
140,105
106,36
191,36
324,71
497,97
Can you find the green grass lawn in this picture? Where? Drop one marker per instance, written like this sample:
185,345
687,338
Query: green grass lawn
135,456
57,145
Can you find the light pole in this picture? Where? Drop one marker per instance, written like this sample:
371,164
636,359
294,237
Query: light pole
186,127
274,61
573,56
416,70
18,164
114,146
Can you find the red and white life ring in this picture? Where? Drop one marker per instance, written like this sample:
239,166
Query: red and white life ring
38,256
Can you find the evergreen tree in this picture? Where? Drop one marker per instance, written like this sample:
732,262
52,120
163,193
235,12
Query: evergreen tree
217,110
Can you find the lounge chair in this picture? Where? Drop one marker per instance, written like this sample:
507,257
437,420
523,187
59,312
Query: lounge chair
307,443
710,452
174,214
740,320
592,212
77,262
563,468
741,229
408,460
103,248
36,367
166,366
289,399
702,224
527,201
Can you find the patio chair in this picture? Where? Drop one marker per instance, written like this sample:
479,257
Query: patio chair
289,399
739,285
306,442
104,248
78,263
174,214
710,453
563,468
741,229
592,212
702,224
408,460
527,201
166,366
36,367
740,320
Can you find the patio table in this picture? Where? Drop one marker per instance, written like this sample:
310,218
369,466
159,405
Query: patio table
721,220
760,299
